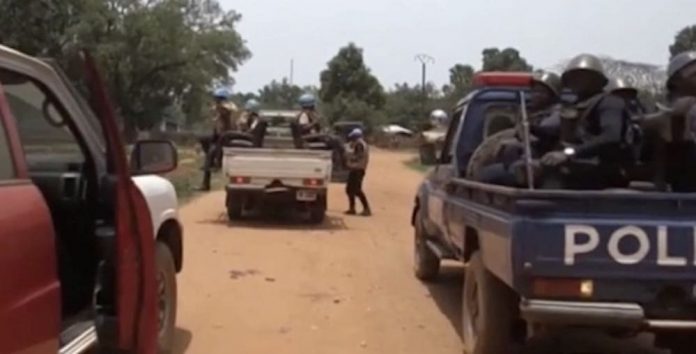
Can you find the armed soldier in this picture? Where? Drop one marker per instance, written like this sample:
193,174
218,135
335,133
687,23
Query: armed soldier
308,120
671,132
357,158
498,154
224,119
596,133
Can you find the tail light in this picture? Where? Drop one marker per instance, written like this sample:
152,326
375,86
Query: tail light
239,180
313,182
562,288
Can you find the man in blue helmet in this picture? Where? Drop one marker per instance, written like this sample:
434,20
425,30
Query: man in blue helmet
358,155
250,117
225,116
308,119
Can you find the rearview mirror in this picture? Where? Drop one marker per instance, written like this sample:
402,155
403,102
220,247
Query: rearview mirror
153,157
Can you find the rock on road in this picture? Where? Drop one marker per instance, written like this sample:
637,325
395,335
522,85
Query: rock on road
346,286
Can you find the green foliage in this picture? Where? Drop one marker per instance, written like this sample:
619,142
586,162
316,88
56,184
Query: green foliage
351,108
405,105
684,41
279,95
348,90
508,59
154,54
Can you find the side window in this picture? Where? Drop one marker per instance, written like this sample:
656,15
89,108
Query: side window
6,162
448,145
47,140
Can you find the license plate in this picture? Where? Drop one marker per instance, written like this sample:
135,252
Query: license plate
306,196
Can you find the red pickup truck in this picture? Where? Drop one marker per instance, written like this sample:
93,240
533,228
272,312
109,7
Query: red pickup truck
77,253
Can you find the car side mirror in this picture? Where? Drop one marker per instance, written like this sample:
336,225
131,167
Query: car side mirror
153,157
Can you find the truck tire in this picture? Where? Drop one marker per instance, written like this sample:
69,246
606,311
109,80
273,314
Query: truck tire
489,311
317,212
234,207
426,265
166,297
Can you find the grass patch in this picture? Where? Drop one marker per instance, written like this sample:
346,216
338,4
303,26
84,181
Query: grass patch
188,175
415,164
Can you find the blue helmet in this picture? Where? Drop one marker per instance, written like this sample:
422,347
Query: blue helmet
252,105
222,93
355,133
307,100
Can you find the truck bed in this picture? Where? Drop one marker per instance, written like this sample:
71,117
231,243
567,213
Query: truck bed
612,236
289,166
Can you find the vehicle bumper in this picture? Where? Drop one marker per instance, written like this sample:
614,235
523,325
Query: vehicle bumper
279,193
596,314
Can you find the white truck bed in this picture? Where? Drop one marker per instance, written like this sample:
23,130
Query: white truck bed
258,168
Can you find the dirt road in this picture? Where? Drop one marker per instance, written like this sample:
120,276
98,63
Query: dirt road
343,287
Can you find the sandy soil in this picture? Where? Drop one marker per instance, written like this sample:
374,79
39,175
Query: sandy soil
343,287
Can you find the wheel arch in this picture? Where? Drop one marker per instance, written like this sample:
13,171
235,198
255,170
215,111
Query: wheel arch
471,243
170,234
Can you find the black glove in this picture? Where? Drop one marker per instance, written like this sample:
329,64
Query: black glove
554,158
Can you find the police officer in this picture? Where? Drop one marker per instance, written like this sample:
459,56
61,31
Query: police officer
621,88
225,116
358,155
438,118
595,132
492,160
250,117
308,119
672,132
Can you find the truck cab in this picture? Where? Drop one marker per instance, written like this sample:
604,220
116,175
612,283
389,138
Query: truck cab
78,260
612,261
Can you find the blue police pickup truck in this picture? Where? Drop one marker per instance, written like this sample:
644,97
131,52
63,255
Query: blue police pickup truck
616,261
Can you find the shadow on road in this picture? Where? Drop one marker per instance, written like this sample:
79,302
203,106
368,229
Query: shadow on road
446,290
284,221
182,340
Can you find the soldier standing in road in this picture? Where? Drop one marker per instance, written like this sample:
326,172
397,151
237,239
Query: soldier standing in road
225,118
357,158
596,133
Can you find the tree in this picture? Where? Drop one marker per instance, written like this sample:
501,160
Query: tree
508,59
684,41
403,105
154,54
280,95
348,82
460,83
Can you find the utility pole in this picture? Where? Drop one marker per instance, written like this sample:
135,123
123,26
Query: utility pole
292,70
424,59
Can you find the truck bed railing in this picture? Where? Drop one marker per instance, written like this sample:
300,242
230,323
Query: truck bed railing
598,202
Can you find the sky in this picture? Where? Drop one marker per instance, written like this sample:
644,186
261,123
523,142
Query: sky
392,32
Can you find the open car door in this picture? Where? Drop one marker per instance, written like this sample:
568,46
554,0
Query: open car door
136,295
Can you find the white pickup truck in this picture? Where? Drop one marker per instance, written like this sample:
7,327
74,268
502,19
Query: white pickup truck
288,177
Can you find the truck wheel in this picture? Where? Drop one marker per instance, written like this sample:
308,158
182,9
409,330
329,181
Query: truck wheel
166,297
317,212
234,207
489,311
426,263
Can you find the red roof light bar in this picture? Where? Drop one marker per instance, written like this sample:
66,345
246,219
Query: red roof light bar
507,79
